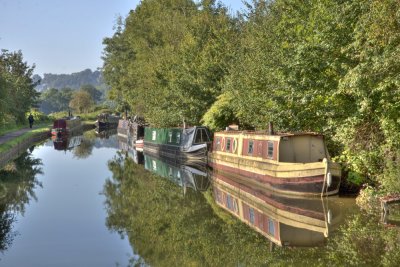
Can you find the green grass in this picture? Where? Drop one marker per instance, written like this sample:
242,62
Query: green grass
91,116
8,128
10,144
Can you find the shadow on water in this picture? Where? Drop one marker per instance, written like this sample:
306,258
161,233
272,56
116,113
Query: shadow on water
215,227
18,181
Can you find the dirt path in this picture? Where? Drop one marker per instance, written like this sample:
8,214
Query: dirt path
9,136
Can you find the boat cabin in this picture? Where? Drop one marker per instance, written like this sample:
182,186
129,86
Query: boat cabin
184,138
293,148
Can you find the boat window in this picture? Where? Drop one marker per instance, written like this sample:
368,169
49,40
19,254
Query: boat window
218,143
178,138
170,137
251,215
229,203
271,226
201,136
251,147
235,206
228,144
219,197
270,149
153,135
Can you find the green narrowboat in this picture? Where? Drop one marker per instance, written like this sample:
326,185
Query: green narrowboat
181,143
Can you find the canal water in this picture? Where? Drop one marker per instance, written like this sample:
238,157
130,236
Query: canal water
94,201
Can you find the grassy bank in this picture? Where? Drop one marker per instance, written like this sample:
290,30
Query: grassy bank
41,128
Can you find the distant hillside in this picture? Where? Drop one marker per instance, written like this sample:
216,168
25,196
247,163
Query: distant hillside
73,81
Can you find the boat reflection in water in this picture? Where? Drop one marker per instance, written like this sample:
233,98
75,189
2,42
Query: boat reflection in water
67,142
284,220
105,133
185,174
125,145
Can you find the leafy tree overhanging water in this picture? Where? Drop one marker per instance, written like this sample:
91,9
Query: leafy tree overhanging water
329,66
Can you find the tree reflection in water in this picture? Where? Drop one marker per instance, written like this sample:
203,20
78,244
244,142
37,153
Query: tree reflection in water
167,228
84,150
18,181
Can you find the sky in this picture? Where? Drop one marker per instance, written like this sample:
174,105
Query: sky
64,36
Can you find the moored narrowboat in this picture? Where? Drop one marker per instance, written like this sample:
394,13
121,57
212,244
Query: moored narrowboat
133,130
106,121
291,163
282,219
66,126
182,143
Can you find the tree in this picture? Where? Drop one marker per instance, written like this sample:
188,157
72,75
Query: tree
81,101
54,100
168,60
16,86
96,94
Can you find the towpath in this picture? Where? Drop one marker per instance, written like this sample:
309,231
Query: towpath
9,136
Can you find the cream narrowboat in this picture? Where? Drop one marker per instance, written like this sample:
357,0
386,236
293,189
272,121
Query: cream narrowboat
290,163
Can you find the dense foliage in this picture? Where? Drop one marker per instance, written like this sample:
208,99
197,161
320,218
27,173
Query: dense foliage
326,66
17,93
55,100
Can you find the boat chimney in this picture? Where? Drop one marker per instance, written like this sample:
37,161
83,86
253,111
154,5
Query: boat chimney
184,123
270,128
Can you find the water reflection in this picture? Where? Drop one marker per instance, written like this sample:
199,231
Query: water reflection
168,228
17,184
284,220
105,133
183,174
125,146
66,142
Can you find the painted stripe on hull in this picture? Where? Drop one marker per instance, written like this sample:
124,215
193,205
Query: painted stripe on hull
298,186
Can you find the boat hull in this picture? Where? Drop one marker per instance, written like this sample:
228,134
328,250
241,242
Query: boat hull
169,151
305,179
63,127
105,125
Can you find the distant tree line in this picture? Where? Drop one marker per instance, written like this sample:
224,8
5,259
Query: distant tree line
73,81
327,66
82,100
17,89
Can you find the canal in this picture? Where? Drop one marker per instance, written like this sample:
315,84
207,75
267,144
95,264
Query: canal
94,201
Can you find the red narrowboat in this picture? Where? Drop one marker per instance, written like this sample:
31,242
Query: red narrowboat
65,126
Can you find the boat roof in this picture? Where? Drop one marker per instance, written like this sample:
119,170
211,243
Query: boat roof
281,134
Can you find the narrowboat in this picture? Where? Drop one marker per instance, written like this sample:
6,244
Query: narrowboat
284,220
133,130
183,143
291,163
66,126
106,121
